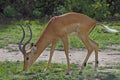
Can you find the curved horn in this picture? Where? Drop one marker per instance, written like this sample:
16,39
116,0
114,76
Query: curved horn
28,25
20,43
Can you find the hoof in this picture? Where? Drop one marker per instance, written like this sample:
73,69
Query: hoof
80,73
68,72
45,70
95,72
96,69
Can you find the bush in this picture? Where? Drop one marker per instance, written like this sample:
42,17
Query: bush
9,11
101,10
60,10
36,12
98,9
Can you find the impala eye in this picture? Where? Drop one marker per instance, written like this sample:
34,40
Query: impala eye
27,58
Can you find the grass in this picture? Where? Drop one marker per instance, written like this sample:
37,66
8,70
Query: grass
12,71
11,34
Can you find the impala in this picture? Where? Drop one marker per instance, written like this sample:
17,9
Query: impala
58,28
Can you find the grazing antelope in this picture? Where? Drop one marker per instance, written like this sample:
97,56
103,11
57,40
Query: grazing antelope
58,28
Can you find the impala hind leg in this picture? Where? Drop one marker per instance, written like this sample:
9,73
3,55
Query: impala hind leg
95,45
90,49
65,42
51,54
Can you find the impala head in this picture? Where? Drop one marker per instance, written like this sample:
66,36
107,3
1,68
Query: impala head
28,54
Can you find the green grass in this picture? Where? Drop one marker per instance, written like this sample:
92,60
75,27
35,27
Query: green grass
11,34
13,71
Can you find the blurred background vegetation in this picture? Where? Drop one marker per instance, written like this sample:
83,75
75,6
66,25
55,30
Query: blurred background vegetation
44,9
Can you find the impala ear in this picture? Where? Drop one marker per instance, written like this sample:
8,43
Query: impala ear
33,49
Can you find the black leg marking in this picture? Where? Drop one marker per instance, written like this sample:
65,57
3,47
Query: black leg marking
97,62
68,72
80,73
27,58
84,64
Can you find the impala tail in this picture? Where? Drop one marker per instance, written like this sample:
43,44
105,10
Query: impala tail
107,28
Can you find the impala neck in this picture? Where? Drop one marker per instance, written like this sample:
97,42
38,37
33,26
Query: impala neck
41,44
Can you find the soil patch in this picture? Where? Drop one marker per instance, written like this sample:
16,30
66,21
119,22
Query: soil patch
106,57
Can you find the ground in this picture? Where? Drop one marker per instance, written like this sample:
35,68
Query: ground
107,57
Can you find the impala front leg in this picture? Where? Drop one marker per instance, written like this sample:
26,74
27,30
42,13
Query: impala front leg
65,42
96,60
51,54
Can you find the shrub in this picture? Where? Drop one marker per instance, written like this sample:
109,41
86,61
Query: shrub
60,10
98,9
9,11
101,10
36,12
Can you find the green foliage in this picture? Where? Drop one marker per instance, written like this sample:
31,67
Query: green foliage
98,9
36,13
60,10
9,11
101,10
13,71
114,7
